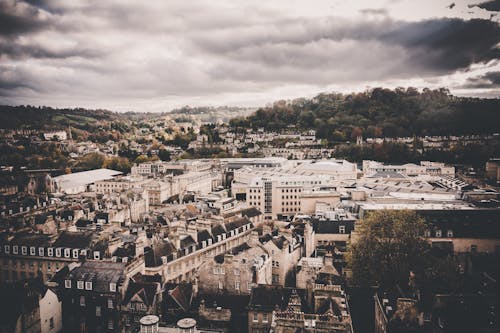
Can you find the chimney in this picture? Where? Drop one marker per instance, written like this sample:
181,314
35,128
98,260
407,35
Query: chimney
328,259
228,258
149,324
254,238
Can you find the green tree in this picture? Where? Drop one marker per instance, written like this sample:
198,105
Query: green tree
117,163
91,161
390,243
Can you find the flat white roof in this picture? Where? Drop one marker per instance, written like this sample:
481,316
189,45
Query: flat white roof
76,179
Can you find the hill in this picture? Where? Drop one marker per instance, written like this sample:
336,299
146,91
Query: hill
380,113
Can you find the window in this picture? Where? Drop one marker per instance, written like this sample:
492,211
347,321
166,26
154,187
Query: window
427,233
97,311
14,249
342,229
24,250
88,285
255,317
222,270
51,322
221,285
438,233
236,271
449,233
473,248
249,285
82,300
110,303
67,284
112,286
264,317
110,325
79,284
216,270
237,285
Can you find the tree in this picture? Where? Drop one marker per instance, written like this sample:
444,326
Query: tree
117,163
164,155
389,246
91,161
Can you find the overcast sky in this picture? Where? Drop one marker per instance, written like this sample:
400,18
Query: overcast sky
157,55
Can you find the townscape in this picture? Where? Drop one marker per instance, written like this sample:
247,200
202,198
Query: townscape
235,244
240,166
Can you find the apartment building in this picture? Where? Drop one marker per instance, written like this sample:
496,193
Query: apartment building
280,197
36,255
179,257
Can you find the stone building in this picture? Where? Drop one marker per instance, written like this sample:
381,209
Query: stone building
236,271
92,295
285,253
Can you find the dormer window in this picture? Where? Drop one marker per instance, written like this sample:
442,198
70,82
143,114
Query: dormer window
15,249
449,233
342,229
439,233
67,284
79,284
32,251
24,250
112,287
88,285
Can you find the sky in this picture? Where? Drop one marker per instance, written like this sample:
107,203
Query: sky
153,56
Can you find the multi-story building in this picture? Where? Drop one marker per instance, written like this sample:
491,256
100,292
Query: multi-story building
319,309
158,191
178,258
92,295
236,271
285,254
410,169
37,255
142,297
280,198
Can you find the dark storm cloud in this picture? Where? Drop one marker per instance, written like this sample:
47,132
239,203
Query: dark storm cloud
448,44
383,47
11,79
15,50
492,6
124,50
19,17
488,80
